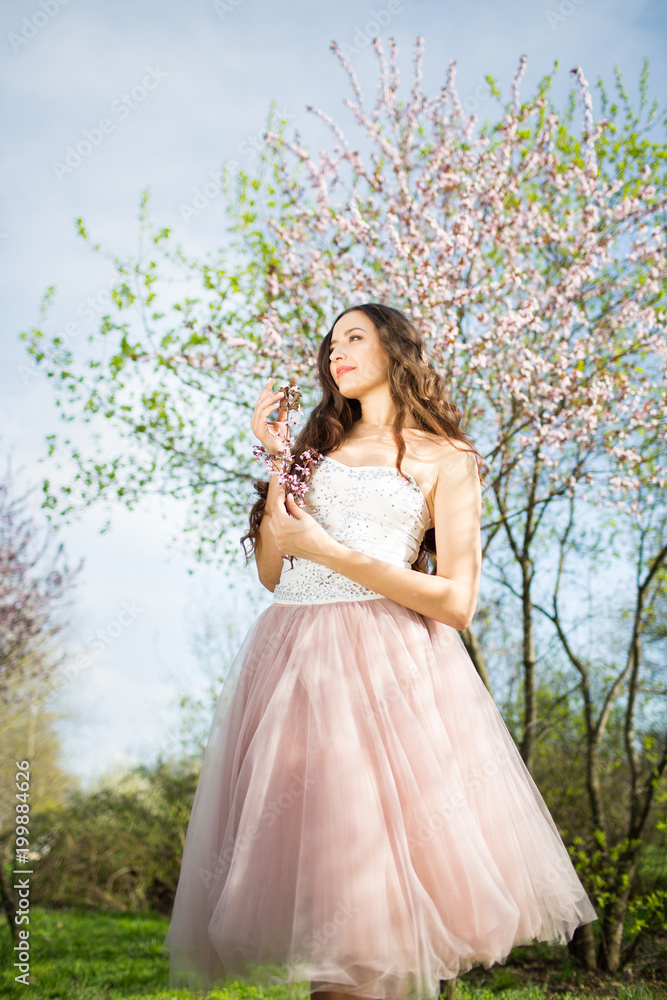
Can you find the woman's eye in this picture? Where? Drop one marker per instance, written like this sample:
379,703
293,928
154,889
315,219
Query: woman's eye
354,335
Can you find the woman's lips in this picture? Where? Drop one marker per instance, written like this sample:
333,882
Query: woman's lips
341,371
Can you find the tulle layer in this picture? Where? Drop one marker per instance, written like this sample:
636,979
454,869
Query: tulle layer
363,820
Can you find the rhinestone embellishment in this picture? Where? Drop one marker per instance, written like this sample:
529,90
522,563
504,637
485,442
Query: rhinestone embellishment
369,508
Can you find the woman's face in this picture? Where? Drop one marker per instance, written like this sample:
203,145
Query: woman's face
358,362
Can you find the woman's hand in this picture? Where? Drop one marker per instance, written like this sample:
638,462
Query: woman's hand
296,533
271,434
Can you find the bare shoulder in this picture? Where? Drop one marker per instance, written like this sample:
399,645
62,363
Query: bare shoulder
426,446
458,478
455,458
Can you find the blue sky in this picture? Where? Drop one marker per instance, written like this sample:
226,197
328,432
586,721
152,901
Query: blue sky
203,75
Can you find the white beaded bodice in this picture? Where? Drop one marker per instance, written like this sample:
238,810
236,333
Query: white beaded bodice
369,508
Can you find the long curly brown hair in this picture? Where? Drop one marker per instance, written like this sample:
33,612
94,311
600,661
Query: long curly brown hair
415,388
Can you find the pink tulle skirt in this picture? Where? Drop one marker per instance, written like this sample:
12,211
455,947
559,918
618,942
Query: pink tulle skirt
363,820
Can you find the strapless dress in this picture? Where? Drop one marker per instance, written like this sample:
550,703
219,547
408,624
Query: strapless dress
363,819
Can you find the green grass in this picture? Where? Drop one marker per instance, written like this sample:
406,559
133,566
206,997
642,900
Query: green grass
76,954
80,955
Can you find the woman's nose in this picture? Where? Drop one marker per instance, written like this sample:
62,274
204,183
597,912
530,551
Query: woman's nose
337,352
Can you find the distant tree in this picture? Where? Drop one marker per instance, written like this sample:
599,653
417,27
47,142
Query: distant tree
33,588
117,847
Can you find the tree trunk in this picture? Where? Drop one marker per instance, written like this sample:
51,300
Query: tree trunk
582,947
8,904
609,954
475,653
530,695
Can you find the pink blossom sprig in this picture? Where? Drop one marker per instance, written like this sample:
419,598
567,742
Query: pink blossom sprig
292,481
295,482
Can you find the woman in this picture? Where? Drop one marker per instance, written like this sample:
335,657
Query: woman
363,821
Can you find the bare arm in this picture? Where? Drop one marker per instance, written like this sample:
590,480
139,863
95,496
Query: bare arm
451,595
268,557
272,434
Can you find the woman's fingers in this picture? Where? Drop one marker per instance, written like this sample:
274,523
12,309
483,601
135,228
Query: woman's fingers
261,426
271,403
266,392
279,506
